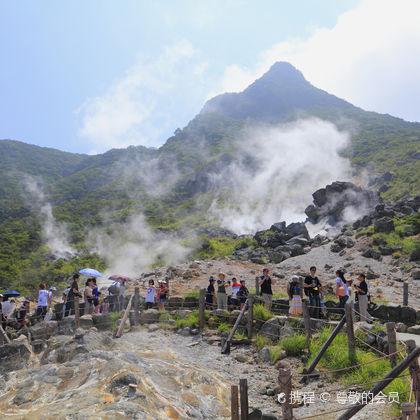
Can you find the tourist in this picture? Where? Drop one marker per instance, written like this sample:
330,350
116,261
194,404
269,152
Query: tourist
7,308
163,294
362,295
96,293
123,287
113,296
229,293
73,292
64,297
210,295
341,291
105,306
221,292
242,294
51,293
295,301
23,314
97,302
265,282
89,297
235,289
150,295
312,288
44,301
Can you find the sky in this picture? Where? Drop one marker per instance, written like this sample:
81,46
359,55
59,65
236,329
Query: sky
88,76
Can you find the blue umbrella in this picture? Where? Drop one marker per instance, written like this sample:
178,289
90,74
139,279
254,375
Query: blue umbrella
90,272
11,293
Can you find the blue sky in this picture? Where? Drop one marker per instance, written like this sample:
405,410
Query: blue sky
86,76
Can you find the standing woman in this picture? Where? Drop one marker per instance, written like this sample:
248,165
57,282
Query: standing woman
242,294
295,301
341,291
44,301
163,293
89,297
362,293
221,292
210,294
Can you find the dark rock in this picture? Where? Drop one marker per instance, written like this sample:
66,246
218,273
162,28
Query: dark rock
386,250
408,315
312,212
369,252
350,243
415,274
270,329
379,241
297,229
278,227
335,248
264,353
255,414
123,380
102,321
406,210
384,225
366,221
149,316
14,356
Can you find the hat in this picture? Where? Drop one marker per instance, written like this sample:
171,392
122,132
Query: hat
26,301
163,281
1,295
242,281
53,288
295,277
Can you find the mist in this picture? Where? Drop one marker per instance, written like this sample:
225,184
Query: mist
130,248
275,173
54,234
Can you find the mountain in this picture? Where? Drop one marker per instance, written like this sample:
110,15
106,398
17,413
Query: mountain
172,186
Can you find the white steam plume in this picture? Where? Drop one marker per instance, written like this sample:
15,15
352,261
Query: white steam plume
289,163
131,248
54,234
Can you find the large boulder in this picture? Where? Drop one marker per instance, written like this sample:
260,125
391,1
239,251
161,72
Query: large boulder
14,356
102,322
150,316
86,322
271,329
383,225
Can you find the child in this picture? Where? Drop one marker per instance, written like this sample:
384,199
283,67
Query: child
150,296
295,301
242,293
210,294
105,306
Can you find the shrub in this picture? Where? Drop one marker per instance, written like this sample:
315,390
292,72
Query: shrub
261,341
165,317
294,345
275,352
261,313
224,327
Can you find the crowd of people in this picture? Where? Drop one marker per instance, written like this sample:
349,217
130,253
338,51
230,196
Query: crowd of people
231,294
222,293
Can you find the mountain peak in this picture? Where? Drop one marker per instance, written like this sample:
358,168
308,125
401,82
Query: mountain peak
277,95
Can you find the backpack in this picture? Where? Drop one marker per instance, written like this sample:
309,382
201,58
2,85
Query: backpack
114,290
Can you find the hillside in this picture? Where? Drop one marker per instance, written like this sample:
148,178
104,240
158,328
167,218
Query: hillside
173,186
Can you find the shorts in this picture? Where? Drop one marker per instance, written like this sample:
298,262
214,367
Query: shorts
162,300
229,301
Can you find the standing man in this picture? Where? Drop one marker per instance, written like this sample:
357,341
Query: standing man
51,293
265,283
362,293
312,287
73,292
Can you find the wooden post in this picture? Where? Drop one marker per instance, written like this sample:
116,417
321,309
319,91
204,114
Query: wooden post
136,305
250,323
325,346
392,342
405,294
226,344
408,411
76,312
381,384
350,332
243,391
307,321
414,371
234,403
201,307
285,382
124,319
3,335
257,286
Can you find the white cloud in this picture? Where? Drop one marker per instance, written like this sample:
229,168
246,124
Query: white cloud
371,57
128,111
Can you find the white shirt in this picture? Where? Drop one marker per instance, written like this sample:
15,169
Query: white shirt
42,298
150,297
7,308
229,290
235,290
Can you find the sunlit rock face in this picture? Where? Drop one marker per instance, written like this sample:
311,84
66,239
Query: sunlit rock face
98,377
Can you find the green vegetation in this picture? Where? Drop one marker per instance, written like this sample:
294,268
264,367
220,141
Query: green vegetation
223,327
261,341
261,314
192,320
115,316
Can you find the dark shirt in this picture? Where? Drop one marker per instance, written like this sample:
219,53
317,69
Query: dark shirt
363,286
243,292
294,289
21,313
74,285
221,288
266,285
309,291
